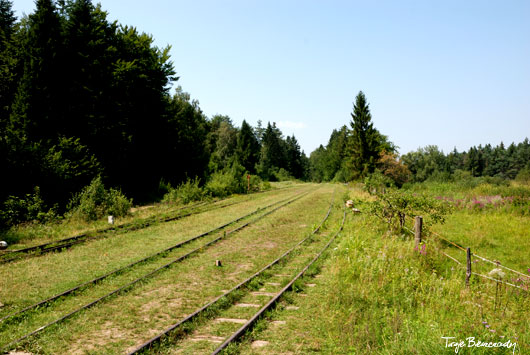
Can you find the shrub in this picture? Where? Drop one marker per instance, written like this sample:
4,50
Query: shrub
394,206
377,182
186,192
523,175
22,209
256,183
224,183
265,185
94,202
228,181
283,175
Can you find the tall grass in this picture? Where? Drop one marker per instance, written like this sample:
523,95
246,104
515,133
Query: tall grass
95,201
385,297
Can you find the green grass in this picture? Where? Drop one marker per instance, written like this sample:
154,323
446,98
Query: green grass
376,294
130,318
494,235
30,234
36,278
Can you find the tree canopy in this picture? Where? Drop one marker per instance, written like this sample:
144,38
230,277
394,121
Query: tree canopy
82,97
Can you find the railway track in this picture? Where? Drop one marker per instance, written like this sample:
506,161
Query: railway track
199,326
129,266
65,243
24,312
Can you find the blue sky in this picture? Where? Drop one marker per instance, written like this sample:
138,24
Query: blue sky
445,73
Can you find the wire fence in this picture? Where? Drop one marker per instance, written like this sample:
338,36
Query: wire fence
470,272
496,263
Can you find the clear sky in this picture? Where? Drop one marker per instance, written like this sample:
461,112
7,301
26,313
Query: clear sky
446,73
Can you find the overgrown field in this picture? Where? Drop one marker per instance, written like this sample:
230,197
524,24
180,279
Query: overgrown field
377,293
130,317
373,292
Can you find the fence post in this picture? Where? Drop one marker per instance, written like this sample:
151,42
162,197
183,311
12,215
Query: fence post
418,223
468,272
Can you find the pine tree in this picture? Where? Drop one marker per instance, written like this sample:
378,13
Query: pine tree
38,101
363,143
247,150
8,61
90,42
294,157
272,155
7,18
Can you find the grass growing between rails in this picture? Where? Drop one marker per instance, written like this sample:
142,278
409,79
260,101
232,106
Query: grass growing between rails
33,233
131,317
30,280
376,294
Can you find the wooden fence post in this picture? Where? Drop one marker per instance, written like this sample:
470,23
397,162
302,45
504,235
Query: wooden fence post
418,224
468,272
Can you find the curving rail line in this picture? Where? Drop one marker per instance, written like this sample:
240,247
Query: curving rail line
62,244
282,203
155,340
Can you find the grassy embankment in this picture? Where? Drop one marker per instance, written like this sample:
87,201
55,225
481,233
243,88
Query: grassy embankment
376,294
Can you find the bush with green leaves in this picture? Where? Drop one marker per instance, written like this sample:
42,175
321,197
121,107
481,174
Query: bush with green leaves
524,175
95,202
185,193
228,181
255,184
31,207
377,182
282,175
394,206
224,183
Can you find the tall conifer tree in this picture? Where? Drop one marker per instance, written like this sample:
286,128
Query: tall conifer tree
363,141
37,105
247,150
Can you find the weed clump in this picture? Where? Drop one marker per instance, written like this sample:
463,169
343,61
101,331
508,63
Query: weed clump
31,207
227,182
95,201
185,193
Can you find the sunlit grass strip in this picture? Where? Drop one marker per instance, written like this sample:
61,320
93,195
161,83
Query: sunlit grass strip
32,280
63,244
452,243
248,325
156,216
220,302
117,271
129,285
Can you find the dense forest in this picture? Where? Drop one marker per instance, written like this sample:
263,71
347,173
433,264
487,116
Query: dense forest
361,150
83,97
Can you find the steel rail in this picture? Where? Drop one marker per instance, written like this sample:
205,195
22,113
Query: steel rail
119,270
41,249
10,345
275,299
78,239
148,344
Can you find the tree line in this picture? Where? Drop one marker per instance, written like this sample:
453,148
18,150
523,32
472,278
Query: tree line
483,161
82,97
356,152
361,150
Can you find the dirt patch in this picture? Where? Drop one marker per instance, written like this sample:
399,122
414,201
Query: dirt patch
240,268
107,334
140,208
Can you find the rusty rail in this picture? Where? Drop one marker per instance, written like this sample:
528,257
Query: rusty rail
10,345
153,341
